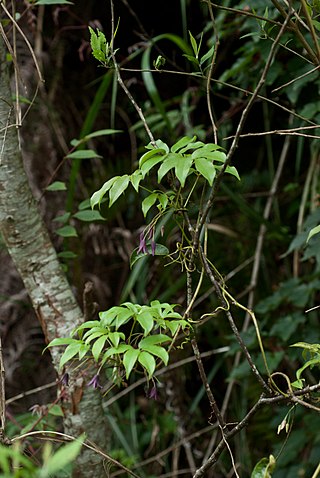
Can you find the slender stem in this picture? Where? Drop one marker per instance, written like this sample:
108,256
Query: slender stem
241,123
210,73
226,308
121,83
296,30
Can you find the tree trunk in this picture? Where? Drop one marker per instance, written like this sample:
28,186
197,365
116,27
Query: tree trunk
34,256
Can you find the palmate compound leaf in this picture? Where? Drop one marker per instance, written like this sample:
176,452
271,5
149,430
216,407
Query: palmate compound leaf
160,250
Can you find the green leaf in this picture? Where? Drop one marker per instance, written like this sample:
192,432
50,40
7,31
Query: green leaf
118,187
148,202
89,324
98,195
70,352
264,468
98,346
65,455
157,351
57,186
115,337
298,384
169,163
94,333
193,44
163,200
309,363
83,154
135,179
154,340
206,169
160,250
115,351
129,360
88,215
208,55
232,170
85,204
148,362
158,152
182,168
173,325
192,59
84,348
63,218
61,341
145,319
107,317
314,230
147,165
67,255
123,317
98,44
182,143
67,231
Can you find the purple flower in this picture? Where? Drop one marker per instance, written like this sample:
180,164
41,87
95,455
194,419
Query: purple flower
94,382
142,244
65,379
153,393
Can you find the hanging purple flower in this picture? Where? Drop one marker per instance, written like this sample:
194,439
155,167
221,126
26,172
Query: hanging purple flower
153,242
153,394
142,244
153,247
94,382
65,379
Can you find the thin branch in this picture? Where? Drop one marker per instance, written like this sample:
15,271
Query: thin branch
226,308
212,460
121,83
296,79
293,26
241,123
25,39
311,28
210,73
290,131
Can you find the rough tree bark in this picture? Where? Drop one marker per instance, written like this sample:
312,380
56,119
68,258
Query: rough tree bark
34,256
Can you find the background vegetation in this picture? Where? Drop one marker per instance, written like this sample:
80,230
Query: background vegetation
193,68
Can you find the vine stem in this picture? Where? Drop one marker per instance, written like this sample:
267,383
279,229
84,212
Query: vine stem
121,82
210,73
